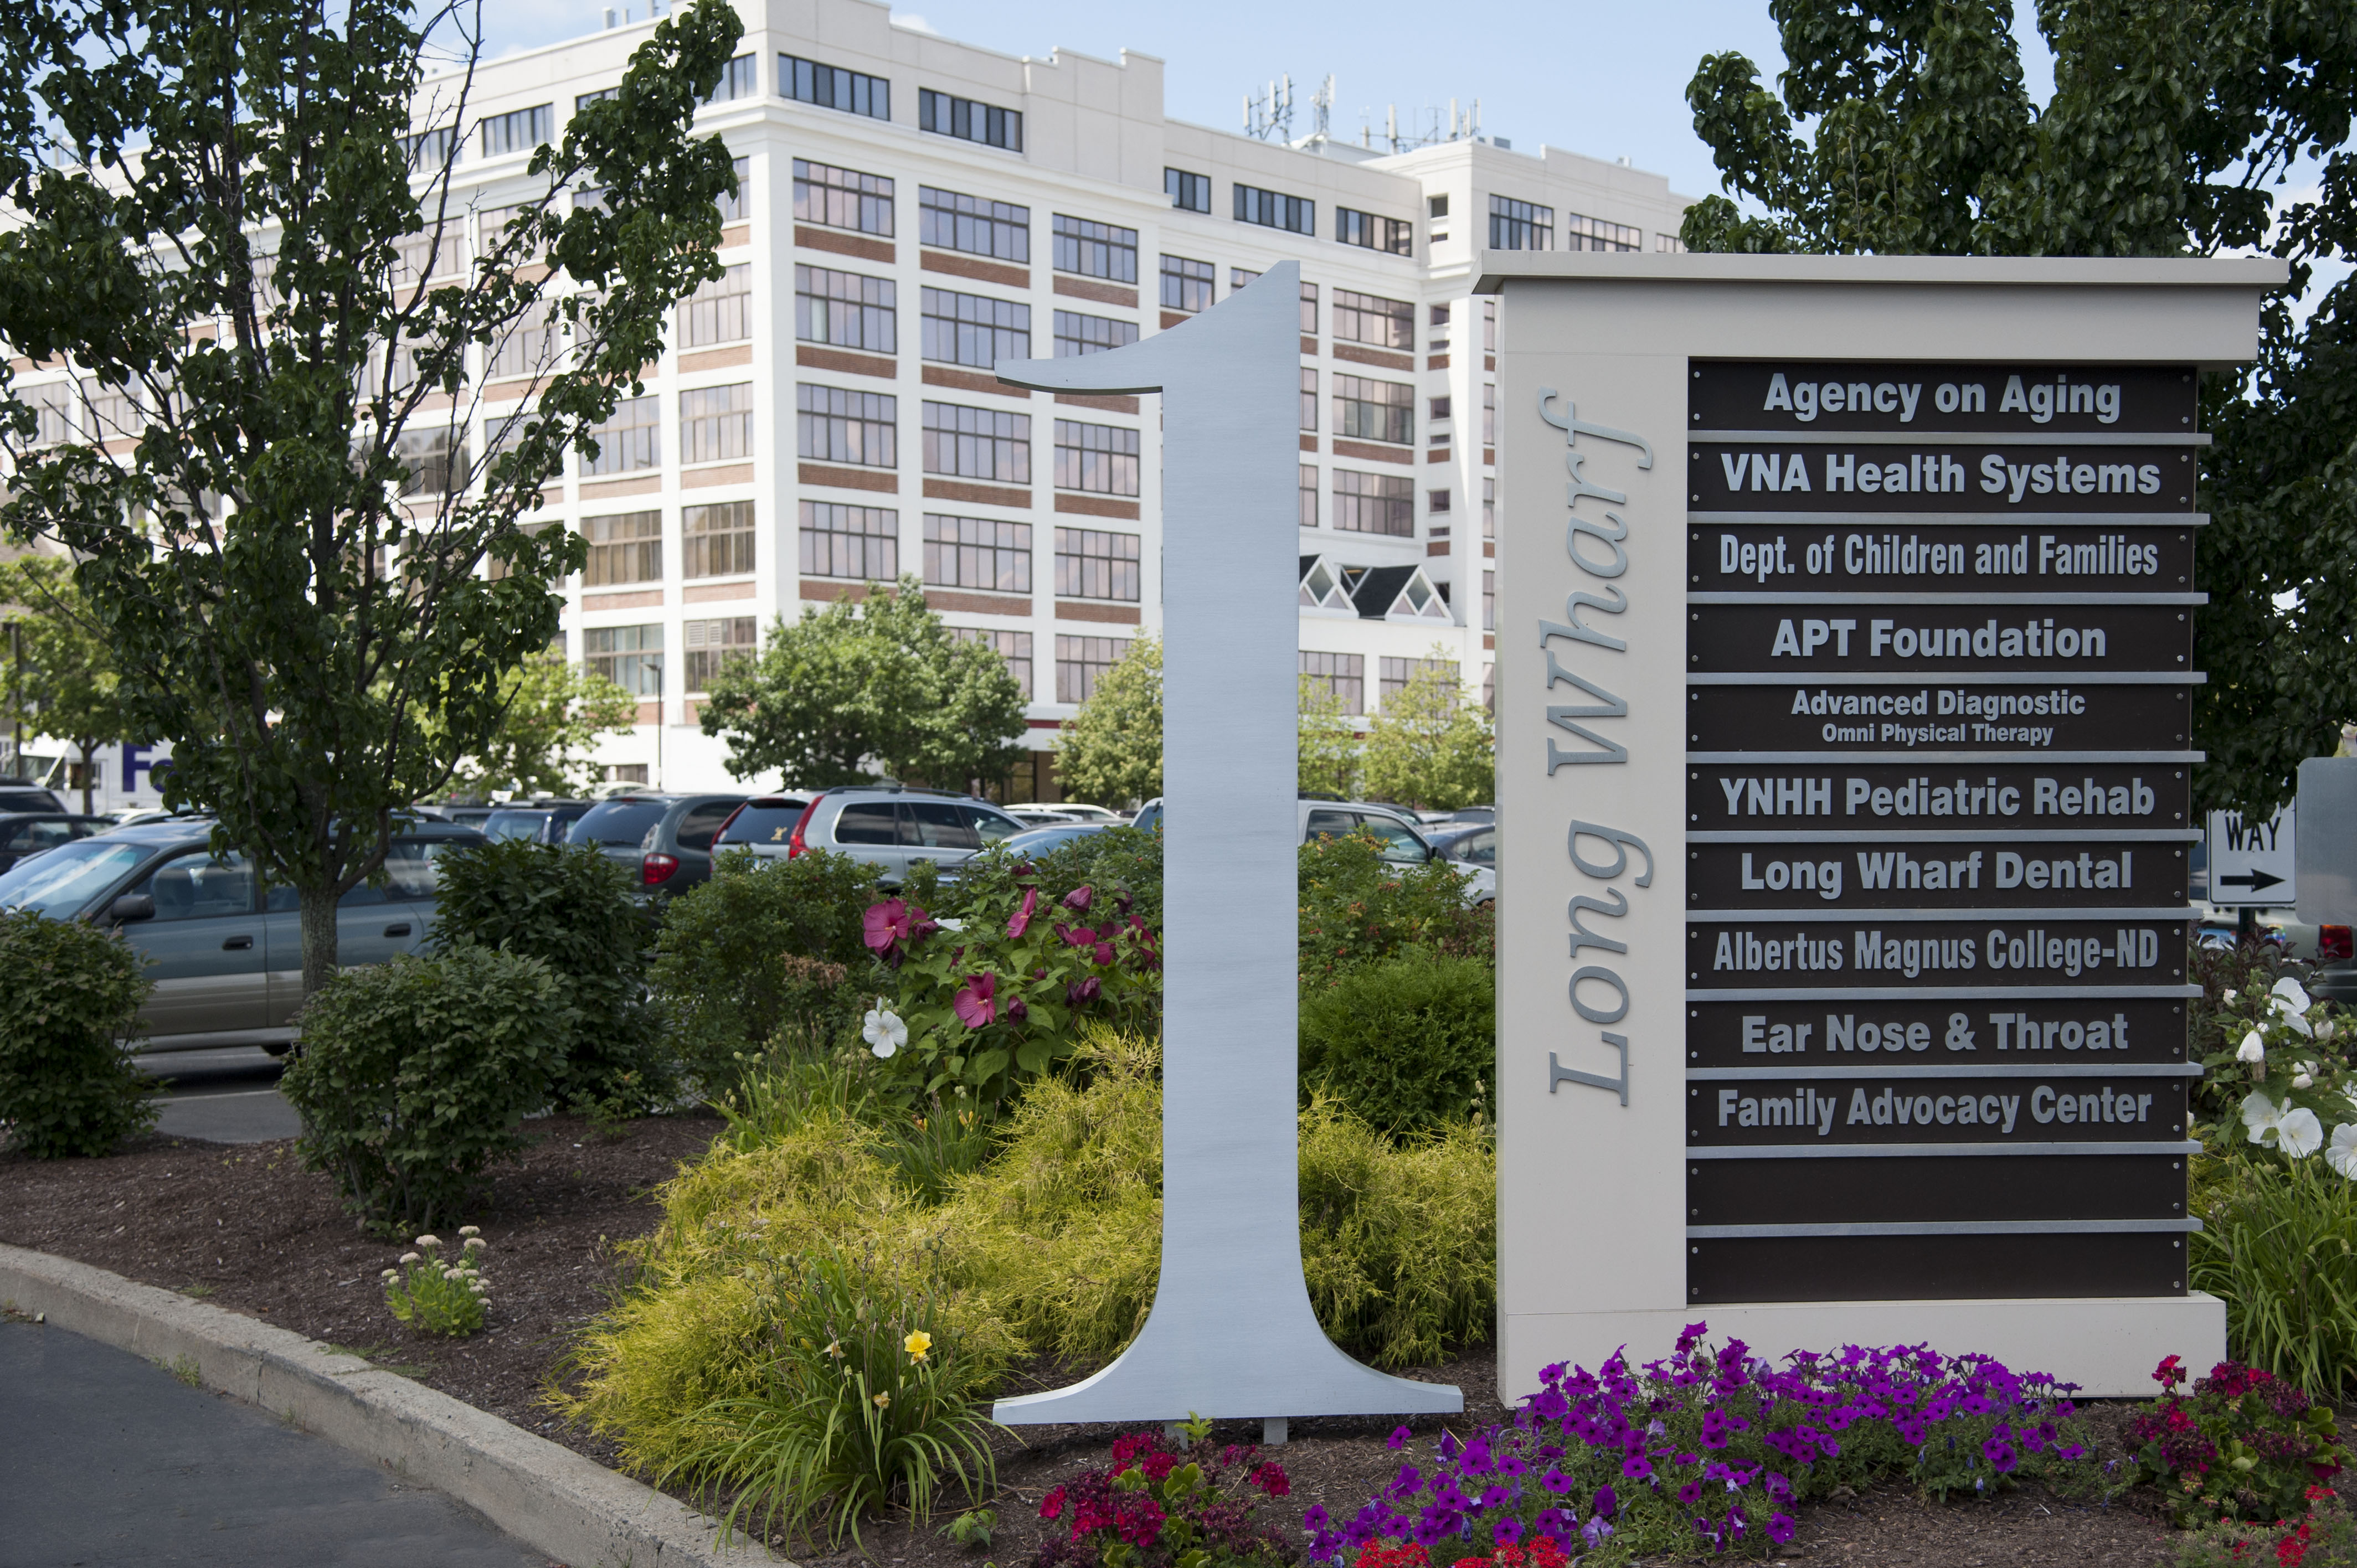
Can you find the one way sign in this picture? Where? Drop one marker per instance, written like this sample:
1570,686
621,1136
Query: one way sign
2250,864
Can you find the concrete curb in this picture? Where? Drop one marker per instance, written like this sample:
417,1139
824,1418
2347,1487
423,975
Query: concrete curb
545,1495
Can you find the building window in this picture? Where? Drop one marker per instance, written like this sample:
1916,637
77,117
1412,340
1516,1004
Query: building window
1370,318
1440,406
741,77
1308,495
1187,192
1343,675
1670,244
626,548
628,655
1519,225
977,553
1077,334
1186,285
831,87
977,443
856,541
1392,236
631,440
1436,206
1308,398
1489,413
496,223
732,202
1374,503
716,541
1238,277
715,424
1437,503
1374,410
431,150
847,309
1488,601
439,253
1393,674
1488,508
52,405
719,311
842,199
1097,457
1580,233
1095,249
434,462
1093,565
968,121
711,643
518,133
973,328
953,222
1489,326
1273,209
1014,648
837,426
1082,661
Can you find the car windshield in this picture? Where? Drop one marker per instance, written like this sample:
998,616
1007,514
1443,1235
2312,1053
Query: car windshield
513,825
762,822
623,823
59,883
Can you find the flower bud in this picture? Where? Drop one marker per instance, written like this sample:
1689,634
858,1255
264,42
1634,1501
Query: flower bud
2252,1049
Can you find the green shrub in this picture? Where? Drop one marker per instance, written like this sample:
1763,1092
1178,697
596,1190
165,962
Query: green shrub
764,948
413,1076
2324,1537
1357,906
1407,1042
868,1400
67,1085
571,907
2278,1246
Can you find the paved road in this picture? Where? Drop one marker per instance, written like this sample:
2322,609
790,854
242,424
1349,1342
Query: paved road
108,1460
229,1096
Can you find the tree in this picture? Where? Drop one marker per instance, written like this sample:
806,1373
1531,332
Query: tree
223,221
2171,122
1430,746
63,682
1326,743
879,680
553,712
1110,751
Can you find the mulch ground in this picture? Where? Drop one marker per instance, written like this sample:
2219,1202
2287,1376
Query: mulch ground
247,1227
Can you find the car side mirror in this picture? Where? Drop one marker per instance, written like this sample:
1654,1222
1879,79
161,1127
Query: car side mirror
1432,851
132,906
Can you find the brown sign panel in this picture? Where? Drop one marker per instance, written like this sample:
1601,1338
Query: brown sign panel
2024,400
1795,796
1763,1109
2030,716
1973,477
1930,874
1864,1035
2055,642
1932,1187
1934,1267
1994,558
1933,955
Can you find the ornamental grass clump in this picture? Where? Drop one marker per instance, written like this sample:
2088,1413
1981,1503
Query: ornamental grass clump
868,1400
433,1295
1712,1450
2278,1246
1156,1507
2246,1446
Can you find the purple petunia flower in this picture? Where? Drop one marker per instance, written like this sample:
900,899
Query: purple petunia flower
1506,1532
1779,1528
1605,1502
1555,1480
1637,1467
1398,1439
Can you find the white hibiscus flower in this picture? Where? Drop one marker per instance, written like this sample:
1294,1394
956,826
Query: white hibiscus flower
883,1030
2342,1156
2254,1048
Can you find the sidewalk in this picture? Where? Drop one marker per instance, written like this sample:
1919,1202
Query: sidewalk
109,1460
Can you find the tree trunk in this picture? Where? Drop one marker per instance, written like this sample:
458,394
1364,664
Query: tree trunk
88,750
318,916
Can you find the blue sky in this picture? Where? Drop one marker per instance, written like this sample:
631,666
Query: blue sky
1605,80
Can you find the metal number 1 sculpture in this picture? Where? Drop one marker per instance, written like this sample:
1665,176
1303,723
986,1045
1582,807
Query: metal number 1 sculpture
1231,1333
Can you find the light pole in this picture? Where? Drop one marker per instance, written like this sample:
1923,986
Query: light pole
655,664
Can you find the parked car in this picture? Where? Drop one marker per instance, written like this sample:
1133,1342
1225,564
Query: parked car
1053,835
225,951
891,827
764,825
1474,814
28,833
1473,844
1062,811
1404,843
666,839
540,821
470,814
28,797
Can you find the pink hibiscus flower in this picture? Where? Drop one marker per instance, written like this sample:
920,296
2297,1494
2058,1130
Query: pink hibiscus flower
1021,921
976,1005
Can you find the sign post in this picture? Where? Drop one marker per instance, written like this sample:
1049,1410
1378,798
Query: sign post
1844,632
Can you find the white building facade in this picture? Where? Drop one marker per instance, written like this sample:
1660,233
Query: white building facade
912,208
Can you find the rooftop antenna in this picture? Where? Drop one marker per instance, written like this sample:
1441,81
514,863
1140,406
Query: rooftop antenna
1270,117
1321,108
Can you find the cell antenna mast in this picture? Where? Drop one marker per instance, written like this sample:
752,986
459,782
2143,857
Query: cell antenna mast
1269,117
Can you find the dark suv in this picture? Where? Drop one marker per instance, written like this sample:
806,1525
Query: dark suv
666,839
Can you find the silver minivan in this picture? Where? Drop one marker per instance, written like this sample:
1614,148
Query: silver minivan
892,828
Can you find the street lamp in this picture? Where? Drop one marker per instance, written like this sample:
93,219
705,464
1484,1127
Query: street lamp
656,666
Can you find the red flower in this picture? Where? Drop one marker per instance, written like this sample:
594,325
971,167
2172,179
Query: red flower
1270,1478
1021,919
1016,1011
1052,1505
2169,1373
886,924
1081,992
1078,898
975,1004
1077,936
